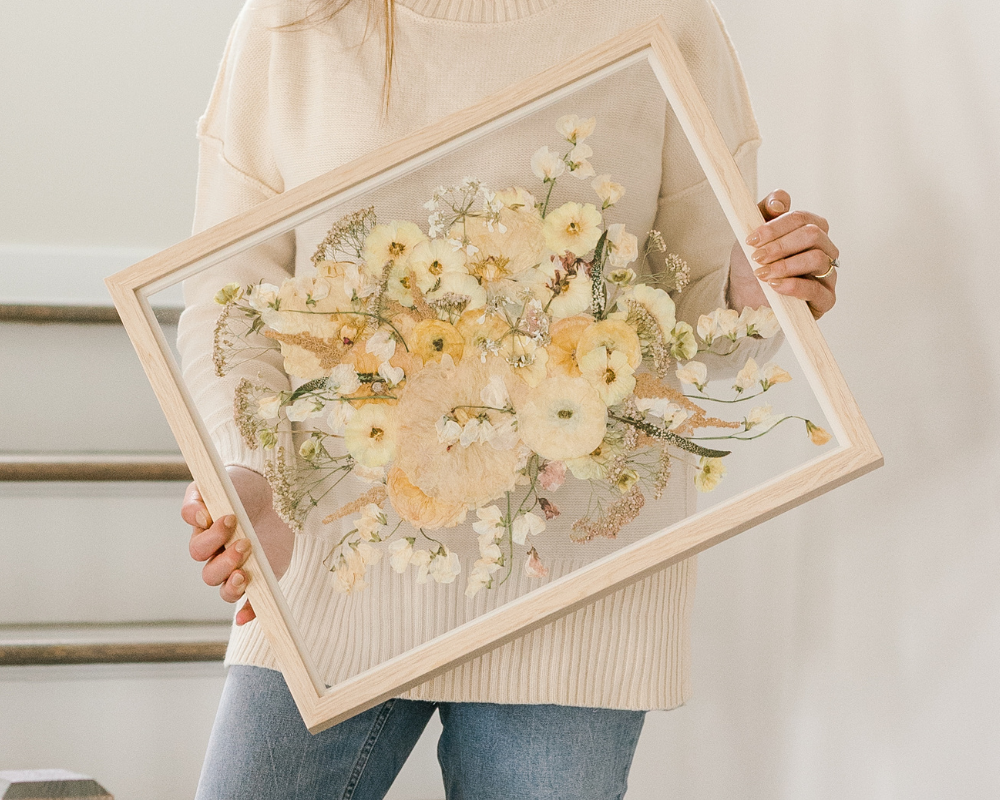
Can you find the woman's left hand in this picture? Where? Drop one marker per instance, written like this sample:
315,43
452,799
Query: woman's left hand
793,250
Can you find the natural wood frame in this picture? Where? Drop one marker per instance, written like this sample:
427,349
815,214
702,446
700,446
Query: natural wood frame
322,707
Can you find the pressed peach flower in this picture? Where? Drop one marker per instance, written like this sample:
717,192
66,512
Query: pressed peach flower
573,228
579,166
506,247
747,377
562,418
564,334
393,242
771,374
611,334
432,338
417,508
472,475
721,323
759,322
609,373
817,435
370,435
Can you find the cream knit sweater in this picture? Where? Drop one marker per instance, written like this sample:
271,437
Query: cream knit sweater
288,106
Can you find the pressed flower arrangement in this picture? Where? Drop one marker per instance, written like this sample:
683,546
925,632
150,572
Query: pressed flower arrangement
474,368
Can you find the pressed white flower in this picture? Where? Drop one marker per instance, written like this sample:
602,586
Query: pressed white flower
490,522
343,380
671,413
759,322
459,285
563,418
370,522
526,357
494,393
624,246
771,374
444,566
481,576
609,373
609,191
573,228
303,408
709,475
262,296
399,286
381,345
524,524
721,323
393,242
517,199
574,129
547,164
393,375
368,474
268,406
683,345
422,560
760,417
579,166
340,415
747,377
449,431
400,553
594,465
370,435
620,277
695,373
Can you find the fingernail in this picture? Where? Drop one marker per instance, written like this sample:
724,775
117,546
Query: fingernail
762,273
229,521
242,546
202,519
753,239
238,580
776,283
760,255
777,205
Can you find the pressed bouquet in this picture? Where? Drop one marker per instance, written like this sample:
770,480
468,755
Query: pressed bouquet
474,368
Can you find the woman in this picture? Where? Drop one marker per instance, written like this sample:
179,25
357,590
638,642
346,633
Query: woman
556,713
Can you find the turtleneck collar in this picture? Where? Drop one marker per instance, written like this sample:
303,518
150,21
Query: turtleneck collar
478,11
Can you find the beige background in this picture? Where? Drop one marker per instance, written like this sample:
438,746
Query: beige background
848,649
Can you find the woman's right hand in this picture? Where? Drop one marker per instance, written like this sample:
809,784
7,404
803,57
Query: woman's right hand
209,537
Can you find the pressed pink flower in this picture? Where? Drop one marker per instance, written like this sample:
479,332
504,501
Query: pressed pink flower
553,475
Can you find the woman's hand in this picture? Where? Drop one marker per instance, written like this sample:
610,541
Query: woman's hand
793,250
208,537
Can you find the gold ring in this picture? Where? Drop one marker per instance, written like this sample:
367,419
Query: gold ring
833,265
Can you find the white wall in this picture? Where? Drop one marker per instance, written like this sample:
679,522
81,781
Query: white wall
848,649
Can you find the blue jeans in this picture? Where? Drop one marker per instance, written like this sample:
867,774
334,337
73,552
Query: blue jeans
260,749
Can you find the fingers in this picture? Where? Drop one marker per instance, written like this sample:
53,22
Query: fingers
776,203
808,238
193,510
819,294
806,264
245,614
205,543
221,565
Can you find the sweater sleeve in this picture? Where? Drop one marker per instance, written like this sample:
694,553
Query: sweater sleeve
688,213
236,171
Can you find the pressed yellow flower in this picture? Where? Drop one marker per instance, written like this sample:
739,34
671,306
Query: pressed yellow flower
683,345
573,227
472,475
710,472
611,334
609,373
564,336
593,466
817,435
526,357
431,259
393,242
478,328
370,436
562,418
432,338
417,508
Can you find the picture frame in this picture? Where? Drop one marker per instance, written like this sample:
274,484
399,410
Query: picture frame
322,706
